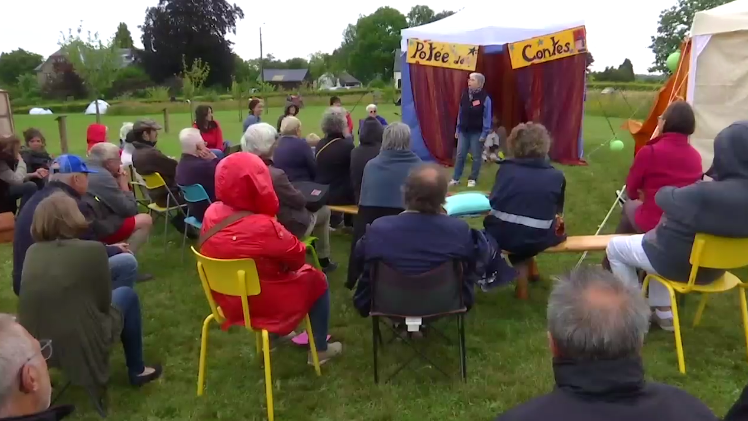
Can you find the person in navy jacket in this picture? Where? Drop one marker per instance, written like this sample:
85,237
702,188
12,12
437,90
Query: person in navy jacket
473,125
526,198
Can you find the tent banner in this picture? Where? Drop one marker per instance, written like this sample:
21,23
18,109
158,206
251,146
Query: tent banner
442,54
549,47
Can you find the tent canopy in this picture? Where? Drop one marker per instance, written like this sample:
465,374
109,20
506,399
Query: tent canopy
729,17
497,23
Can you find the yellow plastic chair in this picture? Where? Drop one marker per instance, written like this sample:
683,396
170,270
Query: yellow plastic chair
714,252
238,278
309,244
155,181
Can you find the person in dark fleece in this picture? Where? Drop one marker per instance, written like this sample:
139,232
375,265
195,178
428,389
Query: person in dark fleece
370,142
35,155
596,329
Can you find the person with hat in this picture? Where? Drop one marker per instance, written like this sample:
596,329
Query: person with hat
69,174
147,159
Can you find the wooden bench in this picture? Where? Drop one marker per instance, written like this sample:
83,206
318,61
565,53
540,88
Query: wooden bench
353,209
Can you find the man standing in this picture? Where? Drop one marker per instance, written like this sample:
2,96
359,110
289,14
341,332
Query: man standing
596,329
25,388
473,126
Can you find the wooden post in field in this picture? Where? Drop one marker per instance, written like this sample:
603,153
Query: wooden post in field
98,112
62,127
166,120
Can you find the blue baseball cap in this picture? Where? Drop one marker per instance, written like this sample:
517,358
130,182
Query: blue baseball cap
70,164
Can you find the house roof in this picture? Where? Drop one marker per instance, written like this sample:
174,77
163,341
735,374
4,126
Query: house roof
284,75
346,77
127,55
398,53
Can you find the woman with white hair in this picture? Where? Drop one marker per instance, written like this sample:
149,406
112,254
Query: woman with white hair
293,154
473,125
371,109
334,160
196,166
127,148
260,140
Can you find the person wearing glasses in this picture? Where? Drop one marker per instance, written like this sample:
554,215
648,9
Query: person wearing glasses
67,296
25,387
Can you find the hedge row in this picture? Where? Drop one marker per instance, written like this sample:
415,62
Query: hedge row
625,86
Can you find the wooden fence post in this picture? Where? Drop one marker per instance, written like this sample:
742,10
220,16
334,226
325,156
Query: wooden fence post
62,127
166,120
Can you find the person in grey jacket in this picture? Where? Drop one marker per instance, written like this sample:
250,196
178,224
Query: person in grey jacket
715,207
117,218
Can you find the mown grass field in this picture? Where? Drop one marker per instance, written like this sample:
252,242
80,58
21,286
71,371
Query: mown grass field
508,358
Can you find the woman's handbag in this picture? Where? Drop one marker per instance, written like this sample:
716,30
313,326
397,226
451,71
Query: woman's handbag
315,194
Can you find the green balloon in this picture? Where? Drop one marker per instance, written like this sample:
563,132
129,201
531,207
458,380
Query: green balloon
673,60
616,145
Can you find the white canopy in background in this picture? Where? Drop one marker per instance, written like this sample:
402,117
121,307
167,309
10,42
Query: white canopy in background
497,23
91,109
40,111
718,75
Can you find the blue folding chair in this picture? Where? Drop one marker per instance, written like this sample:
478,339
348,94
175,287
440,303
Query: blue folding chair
192,194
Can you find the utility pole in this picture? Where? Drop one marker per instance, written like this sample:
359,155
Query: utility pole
262,73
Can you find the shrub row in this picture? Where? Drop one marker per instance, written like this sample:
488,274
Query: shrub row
625,86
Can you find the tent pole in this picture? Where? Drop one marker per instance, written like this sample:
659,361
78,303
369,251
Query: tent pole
619,196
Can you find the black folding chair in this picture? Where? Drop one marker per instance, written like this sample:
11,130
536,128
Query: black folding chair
433,295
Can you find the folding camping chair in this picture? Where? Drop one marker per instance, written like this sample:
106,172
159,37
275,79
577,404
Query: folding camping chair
155,181
192,194
138,188
416,299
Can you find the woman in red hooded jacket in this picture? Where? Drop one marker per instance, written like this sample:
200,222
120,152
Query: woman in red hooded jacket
210,130
290,287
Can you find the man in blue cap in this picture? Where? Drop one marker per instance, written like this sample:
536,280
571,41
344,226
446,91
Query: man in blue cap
69,174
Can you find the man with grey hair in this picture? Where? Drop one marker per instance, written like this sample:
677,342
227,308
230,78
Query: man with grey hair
116,211
474,121
596,330
25,388
197,165
260,140
371,110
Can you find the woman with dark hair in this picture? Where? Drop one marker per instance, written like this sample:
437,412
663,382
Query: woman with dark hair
291,110
15,182
210,130
34,153
370,142
667,160
255,113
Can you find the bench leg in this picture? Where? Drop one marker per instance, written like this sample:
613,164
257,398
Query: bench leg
521,290
533,272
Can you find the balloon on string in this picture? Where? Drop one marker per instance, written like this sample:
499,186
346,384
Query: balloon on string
616,145
673,60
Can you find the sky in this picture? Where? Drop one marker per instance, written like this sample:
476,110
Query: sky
615,30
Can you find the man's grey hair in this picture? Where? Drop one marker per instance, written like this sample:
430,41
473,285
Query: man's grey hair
425,189
396,137
189,138
371,107
334,121
15,351
290,126
259,139
62,177
102,152
593,315
479,78
124,130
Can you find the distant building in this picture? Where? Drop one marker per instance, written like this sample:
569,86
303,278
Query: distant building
286,79
398,75
46,70
346,80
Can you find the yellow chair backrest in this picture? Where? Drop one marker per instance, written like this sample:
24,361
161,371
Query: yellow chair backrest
710,251
153,181
234,277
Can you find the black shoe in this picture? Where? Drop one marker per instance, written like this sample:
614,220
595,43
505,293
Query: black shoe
143,277
138,381
329,267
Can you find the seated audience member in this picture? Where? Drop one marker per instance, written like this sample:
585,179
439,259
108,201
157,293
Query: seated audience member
197,166
15,181
382,183
260,139
95,134
334,161
290,110
35,154
370,142
147,159
293,154
68,298
126,145
494,148
710,207
335,102
256,107
210,130
418,240
371,109
312,140
290,288
596,330
526,199
116,217
26,390
70,176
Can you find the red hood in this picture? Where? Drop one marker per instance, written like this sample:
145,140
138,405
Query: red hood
96,133
243,182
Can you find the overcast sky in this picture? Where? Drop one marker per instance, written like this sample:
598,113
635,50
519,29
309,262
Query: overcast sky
293,28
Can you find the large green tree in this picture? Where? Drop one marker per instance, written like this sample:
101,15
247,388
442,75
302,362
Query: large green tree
369,45
675,22
123,37
421,15
17,63
96,61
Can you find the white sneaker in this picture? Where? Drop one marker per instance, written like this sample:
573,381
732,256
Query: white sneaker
471,183
663,319
333,350
453,183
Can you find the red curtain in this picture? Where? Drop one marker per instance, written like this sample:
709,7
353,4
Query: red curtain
436,94
501,86
553,95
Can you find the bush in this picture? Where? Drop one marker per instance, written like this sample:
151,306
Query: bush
158,93
625,86
128,80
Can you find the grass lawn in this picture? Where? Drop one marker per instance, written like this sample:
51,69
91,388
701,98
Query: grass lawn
508,358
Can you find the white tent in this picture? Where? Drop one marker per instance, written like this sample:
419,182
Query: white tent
497,23
718,75
91,109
